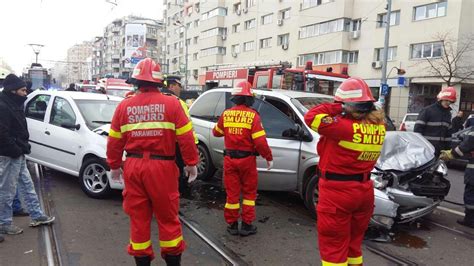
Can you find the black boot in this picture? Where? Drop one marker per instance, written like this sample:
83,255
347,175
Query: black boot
247,229
233,228
143,261
468,219
173,260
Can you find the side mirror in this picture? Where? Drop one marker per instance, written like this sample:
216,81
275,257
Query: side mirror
71,126
298,133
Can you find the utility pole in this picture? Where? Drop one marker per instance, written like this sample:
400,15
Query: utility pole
383,86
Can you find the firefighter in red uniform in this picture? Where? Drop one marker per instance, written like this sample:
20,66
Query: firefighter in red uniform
244,136
352,132
147,127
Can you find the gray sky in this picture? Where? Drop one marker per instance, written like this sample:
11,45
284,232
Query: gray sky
59,24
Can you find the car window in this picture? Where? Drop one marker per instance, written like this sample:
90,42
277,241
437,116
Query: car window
205,106
62,112
36,108
273,120
304,104
262,82
97,112
411,118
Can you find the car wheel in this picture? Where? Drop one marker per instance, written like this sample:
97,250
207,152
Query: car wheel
93,178
205,166
311,194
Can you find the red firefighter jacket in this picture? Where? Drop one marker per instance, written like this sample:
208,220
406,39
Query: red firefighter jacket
150,122
243,131
346,146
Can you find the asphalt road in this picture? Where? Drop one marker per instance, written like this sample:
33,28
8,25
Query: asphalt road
95,232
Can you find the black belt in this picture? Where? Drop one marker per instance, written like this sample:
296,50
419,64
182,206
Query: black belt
341,177
237,154
152,156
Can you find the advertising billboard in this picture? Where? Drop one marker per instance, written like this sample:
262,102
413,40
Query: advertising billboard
135,44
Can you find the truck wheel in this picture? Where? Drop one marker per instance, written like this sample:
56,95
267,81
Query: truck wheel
311,194
205,166
93,178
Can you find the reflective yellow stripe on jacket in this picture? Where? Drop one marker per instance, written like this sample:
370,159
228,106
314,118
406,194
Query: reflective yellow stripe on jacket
237,125
360,146
115,134
232,206
147,125
248,202
357,260
317,121
326,263
218,129
258,134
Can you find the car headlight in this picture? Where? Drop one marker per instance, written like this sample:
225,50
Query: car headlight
442,168
379,182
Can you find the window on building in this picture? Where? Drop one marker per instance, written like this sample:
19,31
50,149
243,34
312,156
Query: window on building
249,46
235,48
236,28
311,3
250,3
195,39
213,32
394,19
212,51
355,24
219,11
283,39
330,57
430,11
267,19
189,10
392,54
196,23
195,56
324,28
427,50
175,45
197,5
265,43
285,13
249,24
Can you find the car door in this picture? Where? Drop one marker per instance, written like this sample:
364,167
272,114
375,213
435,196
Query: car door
285,150
63,143
217,144
36,117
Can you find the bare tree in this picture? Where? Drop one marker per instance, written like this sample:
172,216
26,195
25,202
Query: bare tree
453,66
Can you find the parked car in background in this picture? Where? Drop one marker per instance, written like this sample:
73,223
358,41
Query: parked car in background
408,122
112,86
68,133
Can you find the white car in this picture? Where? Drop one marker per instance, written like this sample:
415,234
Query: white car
68,133
408,122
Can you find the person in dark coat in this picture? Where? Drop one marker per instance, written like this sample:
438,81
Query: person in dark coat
457,122
14,145
434,121
465,148
72,87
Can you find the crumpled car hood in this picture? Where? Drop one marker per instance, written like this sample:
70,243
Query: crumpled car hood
403,151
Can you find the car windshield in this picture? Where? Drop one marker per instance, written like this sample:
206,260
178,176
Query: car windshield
304,104
97,112
411,118
120,93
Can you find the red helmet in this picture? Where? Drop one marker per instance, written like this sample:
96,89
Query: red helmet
244,88
448,94
353,90
148,70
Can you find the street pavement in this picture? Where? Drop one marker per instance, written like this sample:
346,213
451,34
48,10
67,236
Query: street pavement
95,232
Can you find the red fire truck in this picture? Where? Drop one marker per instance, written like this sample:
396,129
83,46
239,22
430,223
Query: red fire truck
275,75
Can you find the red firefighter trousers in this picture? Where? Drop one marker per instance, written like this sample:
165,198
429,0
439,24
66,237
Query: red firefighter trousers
344,210
240,175
151,187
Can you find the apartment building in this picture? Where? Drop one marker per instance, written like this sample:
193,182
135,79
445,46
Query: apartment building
77,67
125,42
342,35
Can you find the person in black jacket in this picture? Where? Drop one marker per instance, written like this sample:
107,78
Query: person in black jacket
465,148
72,87
14,145
434,121
457,122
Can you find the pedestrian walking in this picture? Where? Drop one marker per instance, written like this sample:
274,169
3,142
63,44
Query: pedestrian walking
352,132
244,139
13,147
457,122
434,121
172,86
147,126
465,148
72,87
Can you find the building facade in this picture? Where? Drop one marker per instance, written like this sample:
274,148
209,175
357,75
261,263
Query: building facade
341,35
125,42
77,66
